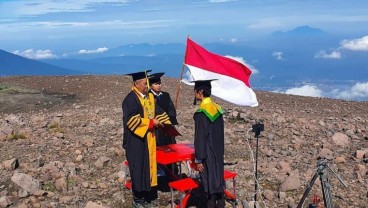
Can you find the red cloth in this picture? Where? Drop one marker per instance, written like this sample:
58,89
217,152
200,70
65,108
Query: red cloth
151,126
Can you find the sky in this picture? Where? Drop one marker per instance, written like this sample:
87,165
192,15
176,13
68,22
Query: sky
40,29
62,25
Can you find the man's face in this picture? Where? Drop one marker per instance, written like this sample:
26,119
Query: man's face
198,94
141,85
156,87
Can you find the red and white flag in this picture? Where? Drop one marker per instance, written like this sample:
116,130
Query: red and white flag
233,76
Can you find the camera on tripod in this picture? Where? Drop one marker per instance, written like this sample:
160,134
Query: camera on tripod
257,128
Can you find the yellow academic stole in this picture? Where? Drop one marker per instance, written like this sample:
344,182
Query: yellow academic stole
148,104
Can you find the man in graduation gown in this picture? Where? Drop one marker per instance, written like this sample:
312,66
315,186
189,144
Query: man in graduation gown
140,118
163,100
209,144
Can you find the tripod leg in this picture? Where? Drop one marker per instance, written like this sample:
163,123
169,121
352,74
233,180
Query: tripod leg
307,190
326,190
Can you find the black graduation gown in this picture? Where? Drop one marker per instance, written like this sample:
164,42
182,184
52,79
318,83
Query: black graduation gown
167,105
136,147
209,147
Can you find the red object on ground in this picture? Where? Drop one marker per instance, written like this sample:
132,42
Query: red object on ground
173,153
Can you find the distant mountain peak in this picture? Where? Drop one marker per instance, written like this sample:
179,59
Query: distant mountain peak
301,31
306,29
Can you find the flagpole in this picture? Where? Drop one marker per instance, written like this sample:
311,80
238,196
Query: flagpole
181,77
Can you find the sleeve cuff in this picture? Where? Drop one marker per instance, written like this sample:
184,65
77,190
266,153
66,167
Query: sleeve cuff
197,161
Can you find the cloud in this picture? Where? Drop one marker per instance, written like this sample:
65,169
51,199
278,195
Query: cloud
325,55
233,40
98,50
360,44
241,60
220,1
35,54
34,7
265,24
113,24
278,55
356,92
58,24
306,90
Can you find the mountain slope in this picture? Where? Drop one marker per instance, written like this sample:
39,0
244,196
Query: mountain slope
11,65
302,31
298,130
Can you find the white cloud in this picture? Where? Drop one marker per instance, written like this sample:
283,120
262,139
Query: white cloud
143,24
357,91
233,40
220,1
34,7
306,90
36,54
241,60
266,24
98,50
113,24
58,24
360,44
332,55
278,55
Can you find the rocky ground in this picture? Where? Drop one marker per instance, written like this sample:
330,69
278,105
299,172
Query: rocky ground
60,142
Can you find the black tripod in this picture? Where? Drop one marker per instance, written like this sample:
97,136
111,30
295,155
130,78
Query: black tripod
256,128
322,172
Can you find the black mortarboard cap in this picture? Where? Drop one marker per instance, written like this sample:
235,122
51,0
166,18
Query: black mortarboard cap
156,77
203,84
139,75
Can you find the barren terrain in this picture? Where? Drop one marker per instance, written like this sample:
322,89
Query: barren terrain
62,136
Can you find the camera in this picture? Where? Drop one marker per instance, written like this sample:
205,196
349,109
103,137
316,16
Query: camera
258,127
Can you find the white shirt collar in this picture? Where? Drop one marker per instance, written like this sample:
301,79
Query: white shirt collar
156,94
141,94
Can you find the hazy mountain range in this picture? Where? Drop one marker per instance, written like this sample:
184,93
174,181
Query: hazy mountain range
280,61
11,65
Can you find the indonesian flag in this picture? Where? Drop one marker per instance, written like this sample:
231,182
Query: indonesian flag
233,76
